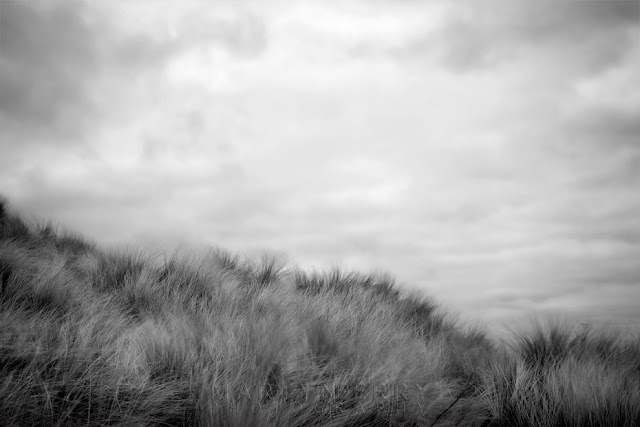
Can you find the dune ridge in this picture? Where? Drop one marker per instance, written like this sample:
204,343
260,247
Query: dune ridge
90,336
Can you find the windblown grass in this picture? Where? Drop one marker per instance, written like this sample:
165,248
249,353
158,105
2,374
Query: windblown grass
96,337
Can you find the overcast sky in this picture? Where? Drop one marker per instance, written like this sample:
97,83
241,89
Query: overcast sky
487,152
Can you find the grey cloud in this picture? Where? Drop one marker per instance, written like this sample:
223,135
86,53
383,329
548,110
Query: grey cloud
571,20
52,51
593,34
40,196
584,271
142,51
256,218
127,205
574,282
608,218
609,127
616,182
610,230
528,297
243,35
45,57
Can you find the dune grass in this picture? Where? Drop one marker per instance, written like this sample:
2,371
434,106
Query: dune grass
96,337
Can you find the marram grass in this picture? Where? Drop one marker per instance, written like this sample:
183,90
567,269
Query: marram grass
90,337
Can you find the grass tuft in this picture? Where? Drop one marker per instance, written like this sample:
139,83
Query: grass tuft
92,337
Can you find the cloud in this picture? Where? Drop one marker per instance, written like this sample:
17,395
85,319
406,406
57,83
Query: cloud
483,152
58,56
173,29
46,57
591,35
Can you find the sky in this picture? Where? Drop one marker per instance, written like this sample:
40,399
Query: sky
485,153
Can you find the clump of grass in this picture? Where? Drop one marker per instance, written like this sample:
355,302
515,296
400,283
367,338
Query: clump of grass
322,346
12,227
225,260
559,376
95,337
545,346
116,268
268,270
423,317
380,285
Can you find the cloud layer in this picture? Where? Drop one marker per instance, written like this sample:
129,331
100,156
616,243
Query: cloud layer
486,152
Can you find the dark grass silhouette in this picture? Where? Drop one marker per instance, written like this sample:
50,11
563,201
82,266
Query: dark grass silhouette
95,337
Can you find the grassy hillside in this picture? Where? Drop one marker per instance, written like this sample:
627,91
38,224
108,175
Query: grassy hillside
96,337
